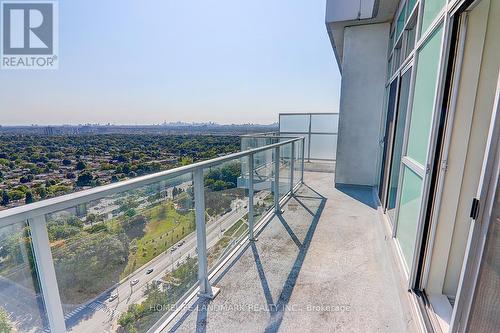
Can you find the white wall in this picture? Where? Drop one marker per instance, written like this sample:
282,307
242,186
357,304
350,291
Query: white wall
364,67
344,10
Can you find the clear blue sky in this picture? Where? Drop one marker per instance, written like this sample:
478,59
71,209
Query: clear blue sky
149,61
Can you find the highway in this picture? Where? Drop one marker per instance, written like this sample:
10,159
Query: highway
101,315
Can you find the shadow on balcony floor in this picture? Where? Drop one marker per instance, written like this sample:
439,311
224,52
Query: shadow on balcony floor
320,267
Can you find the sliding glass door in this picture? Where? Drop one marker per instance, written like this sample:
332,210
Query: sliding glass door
415,158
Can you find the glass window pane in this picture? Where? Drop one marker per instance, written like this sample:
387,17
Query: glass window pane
123,252
431,11
398,141
294,123
326,123
423,99
411,5
400,22
323,146
408,213
410,44
21,303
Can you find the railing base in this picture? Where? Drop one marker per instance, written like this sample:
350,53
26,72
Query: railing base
215,292
252,239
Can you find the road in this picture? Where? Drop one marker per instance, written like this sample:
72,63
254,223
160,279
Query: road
101,315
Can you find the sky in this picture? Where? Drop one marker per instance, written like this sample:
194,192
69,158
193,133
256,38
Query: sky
150,61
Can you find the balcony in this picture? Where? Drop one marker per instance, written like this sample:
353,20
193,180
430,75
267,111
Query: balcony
253,241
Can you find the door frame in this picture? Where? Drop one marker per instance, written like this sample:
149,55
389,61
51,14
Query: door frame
479,228
409,67
388,140
425,172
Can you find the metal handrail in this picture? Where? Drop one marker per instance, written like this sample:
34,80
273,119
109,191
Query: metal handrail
22,213
35,215
263,134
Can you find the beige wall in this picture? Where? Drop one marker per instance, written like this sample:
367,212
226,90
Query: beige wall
468,140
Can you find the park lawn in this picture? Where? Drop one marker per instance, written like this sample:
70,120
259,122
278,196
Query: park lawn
165,227
234,232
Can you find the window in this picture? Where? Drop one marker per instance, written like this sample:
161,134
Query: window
423,98
431,11
409,210
400,22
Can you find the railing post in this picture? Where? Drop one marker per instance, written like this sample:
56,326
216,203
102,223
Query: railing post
302,160
292,166
206,289
47,273
251,217
277,207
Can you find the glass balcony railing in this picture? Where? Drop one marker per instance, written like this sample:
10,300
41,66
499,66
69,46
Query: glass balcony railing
124,256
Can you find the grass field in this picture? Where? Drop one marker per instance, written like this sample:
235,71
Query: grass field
166,226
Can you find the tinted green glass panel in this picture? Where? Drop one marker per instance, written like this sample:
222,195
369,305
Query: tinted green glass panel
401,22
411,5
423,99
408,213
431,11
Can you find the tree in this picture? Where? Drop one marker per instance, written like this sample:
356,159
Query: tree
81,165
5,198
84,179
66,162
16,194
42,192
29,197
5,326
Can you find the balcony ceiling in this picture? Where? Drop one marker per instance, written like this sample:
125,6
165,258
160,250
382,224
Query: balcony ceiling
344,13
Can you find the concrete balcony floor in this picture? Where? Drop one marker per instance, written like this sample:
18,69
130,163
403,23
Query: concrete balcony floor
322,266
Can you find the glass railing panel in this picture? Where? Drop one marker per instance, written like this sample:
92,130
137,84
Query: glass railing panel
285,168
297,165
323,147
263,180
125,259
325,123
226,209
294,122
21,303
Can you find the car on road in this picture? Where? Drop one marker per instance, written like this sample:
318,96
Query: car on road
112,297
173,249
134,282
149,271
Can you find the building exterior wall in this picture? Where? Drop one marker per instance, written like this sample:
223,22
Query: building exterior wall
462,121
433,202
361,103
477,144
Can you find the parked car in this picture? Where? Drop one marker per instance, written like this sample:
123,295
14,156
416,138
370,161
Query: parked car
112,297
149,271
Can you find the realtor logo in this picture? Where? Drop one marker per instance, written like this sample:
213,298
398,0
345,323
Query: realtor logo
29,35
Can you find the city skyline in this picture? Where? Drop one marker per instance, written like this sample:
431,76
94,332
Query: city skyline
145,63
